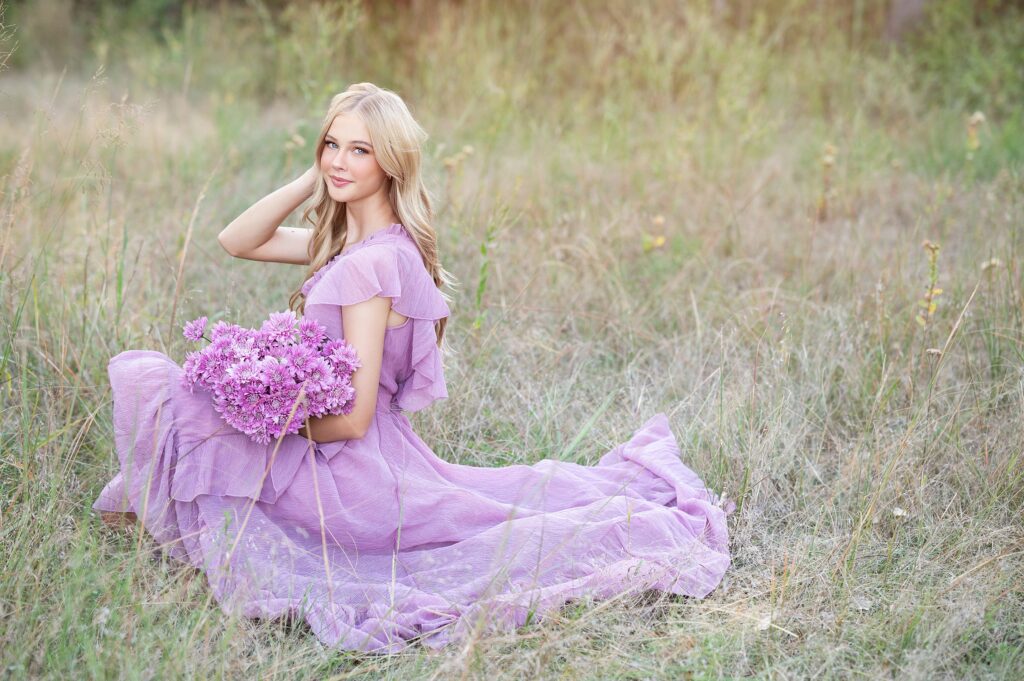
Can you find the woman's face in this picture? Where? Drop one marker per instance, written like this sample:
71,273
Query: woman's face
348,162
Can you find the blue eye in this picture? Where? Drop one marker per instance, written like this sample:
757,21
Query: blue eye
334,145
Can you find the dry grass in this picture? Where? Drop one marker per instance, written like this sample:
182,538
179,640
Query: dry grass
652,190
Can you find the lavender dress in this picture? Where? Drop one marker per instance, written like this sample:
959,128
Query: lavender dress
377,541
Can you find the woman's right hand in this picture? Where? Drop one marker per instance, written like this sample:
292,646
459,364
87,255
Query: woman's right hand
310,178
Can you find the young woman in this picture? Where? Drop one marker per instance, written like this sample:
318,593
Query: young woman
355,525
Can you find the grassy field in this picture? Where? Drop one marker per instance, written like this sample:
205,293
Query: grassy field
795,240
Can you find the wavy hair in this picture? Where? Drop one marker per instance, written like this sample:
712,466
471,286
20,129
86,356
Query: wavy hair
397,141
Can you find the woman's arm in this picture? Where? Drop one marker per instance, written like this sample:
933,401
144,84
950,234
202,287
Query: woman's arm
256,235
365,324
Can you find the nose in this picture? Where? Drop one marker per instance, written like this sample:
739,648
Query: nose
339,160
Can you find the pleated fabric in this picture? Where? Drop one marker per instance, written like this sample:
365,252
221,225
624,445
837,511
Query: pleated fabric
377,542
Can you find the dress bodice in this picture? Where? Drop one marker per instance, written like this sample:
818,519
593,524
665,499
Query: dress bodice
388,263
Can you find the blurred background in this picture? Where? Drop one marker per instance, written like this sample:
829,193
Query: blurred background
792,225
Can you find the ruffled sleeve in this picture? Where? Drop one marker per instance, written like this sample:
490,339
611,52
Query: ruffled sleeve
425,383
351,279
394,270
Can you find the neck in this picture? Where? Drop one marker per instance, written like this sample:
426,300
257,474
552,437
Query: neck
367,216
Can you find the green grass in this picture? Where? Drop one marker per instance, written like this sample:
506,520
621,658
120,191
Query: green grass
879,483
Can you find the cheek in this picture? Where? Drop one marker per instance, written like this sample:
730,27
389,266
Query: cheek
373,169
366,167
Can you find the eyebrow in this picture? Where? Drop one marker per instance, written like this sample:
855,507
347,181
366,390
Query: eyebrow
331,137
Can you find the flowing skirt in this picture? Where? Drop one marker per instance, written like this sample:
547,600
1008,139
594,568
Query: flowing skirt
377,542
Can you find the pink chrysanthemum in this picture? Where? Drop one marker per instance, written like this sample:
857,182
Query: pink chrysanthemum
194,329
255,376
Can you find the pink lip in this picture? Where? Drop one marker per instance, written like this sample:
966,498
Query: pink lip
338,182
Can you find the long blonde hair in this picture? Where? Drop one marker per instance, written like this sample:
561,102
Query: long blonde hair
397,140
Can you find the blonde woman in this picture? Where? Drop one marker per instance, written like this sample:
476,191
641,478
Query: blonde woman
354,525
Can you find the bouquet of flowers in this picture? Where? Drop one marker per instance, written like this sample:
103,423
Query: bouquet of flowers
256,376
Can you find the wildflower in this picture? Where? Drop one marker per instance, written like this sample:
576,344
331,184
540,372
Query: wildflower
652,242
294,142
973,123
989,264
928,301
829,157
